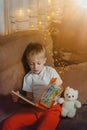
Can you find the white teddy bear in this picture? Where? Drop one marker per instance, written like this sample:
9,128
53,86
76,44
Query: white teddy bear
69,102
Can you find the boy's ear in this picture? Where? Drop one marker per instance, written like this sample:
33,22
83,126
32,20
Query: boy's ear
45,59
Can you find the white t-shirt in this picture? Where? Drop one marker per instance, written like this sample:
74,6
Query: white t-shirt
36,83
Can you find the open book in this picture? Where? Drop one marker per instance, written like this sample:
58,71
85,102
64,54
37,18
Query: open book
46,99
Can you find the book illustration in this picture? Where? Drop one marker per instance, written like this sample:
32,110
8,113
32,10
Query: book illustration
46,99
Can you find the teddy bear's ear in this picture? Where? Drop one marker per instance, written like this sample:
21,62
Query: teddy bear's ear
76,92
67,87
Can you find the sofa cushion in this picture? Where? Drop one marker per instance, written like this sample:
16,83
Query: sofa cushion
12,48
75,76
79,122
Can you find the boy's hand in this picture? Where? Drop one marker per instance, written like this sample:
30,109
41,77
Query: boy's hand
14,97
57,82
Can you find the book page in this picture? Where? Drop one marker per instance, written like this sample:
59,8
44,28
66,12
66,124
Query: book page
22,97
27,100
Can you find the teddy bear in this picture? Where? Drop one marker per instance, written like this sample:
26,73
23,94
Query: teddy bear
69,102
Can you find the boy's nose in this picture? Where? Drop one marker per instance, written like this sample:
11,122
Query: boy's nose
35,66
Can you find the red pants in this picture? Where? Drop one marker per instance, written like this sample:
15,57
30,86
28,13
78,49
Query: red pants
48,119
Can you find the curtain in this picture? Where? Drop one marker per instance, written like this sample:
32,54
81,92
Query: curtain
19,15
2,18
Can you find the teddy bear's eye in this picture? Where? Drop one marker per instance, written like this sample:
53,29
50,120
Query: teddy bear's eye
72,95
67,94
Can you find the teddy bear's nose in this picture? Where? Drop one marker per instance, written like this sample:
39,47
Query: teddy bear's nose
69,96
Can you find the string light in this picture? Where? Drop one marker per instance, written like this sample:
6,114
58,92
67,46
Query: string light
45,19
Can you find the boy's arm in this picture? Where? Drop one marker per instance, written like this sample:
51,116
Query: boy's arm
29,95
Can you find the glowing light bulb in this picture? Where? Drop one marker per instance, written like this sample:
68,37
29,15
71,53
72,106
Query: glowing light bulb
20,14
40,23
32,25
29,11
48,17
49,1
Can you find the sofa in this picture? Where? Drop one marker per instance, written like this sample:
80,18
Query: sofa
13,67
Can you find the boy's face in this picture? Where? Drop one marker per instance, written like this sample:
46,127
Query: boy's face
36,64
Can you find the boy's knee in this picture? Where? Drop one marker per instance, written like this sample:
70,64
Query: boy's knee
56,108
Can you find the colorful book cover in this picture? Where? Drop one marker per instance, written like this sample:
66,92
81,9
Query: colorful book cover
47,97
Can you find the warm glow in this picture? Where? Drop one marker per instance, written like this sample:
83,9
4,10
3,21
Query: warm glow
32,25
52,13
48,17
29,11
82,3
49,1
49,12
40,23
20,14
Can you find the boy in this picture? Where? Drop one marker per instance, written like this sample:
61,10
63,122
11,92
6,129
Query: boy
34,83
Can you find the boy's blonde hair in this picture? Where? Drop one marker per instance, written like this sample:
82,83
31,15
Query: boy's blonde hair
34,49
